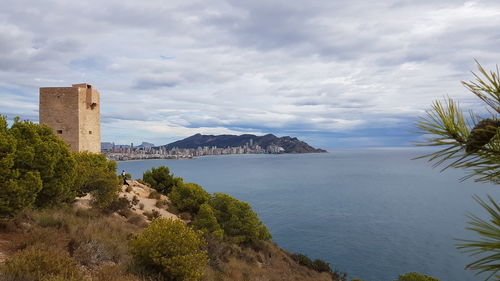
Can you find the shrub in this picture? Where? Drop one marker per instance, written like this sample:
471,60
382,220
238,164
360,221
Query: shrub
321,266
135,200
118,205
185,216
317,265
127,213
49,220
137,220
54,238
188,197
91,253
161,179
100,241
88,213
303,260
113,273
161,203
413,276
105,189
96,175
236,218
87,166
36,167
207,222
170,248
18,193
40,264
152,215
154,195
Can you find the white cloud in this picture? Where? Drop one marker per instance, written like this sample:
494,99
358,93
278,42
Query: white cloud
170,69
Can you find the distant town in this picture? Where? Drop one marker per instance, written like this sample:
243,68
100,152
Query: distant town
150,151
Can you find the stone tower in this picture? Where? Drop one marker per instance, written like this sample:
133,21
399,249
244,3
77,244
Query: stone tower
73,113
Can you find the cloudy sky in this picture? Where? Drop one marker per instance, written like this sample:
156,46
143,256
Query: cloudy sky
335,73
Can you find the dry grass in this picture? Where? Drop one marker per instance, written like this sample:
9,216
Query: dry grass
40,263
95,243
85,238
261,261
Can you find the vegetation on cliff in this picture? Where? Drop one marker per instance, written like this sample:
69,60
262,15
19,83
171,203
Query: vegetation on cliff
37,170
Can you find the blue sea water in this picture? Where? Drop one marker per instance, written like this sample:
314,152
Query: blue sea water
373,213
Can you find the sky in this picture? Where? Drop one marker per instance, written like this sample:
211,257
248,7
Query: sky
333,73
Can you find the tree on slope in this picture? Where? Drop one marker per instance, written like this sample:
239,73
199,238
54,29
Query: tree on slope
471,142
36,167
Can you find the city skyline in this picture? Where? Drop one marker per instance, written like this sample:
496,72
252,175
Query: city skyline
332,73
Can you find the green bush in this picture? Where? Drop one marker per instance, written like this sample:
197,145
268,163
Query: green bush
154,195
118,205
87,165
105,189
187,197
170,248
161,179
40,264
303,260
96,175
413,276
36,167
318,265
236,218
207,222
18,191
160,204
321,266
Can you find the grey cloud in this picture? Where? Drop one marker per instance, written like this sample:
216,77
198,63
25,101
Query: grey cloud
279,66
155,83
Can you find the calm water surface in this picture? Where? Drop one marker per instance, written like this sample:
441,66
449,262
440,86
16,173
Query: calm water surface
372,213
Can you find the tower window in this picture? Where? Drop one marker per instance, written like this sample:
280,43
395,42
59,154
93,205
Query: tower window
90,132
59,132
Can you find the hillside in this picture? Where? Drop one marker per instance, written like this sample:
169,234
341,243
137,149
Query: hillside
289,144
94,245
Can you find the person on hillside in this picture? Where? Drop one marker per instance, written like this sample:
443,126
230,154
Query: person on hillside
124,177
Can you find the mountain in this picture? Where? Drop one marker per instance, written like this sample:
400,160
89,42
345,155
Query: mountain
145,145
289,144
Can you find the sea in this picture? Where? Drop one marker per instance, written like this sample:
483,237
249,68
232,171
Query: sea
373,213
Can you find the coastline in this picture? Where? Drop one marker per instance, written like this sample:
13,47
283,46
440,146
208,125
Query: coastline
214,155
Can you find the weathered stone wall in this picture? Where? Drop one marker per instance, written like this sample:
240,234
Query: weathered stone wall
74,115
90,120
59,110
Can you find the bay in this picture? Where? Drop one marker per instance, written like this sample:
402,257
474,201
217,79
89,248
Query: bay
373,213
